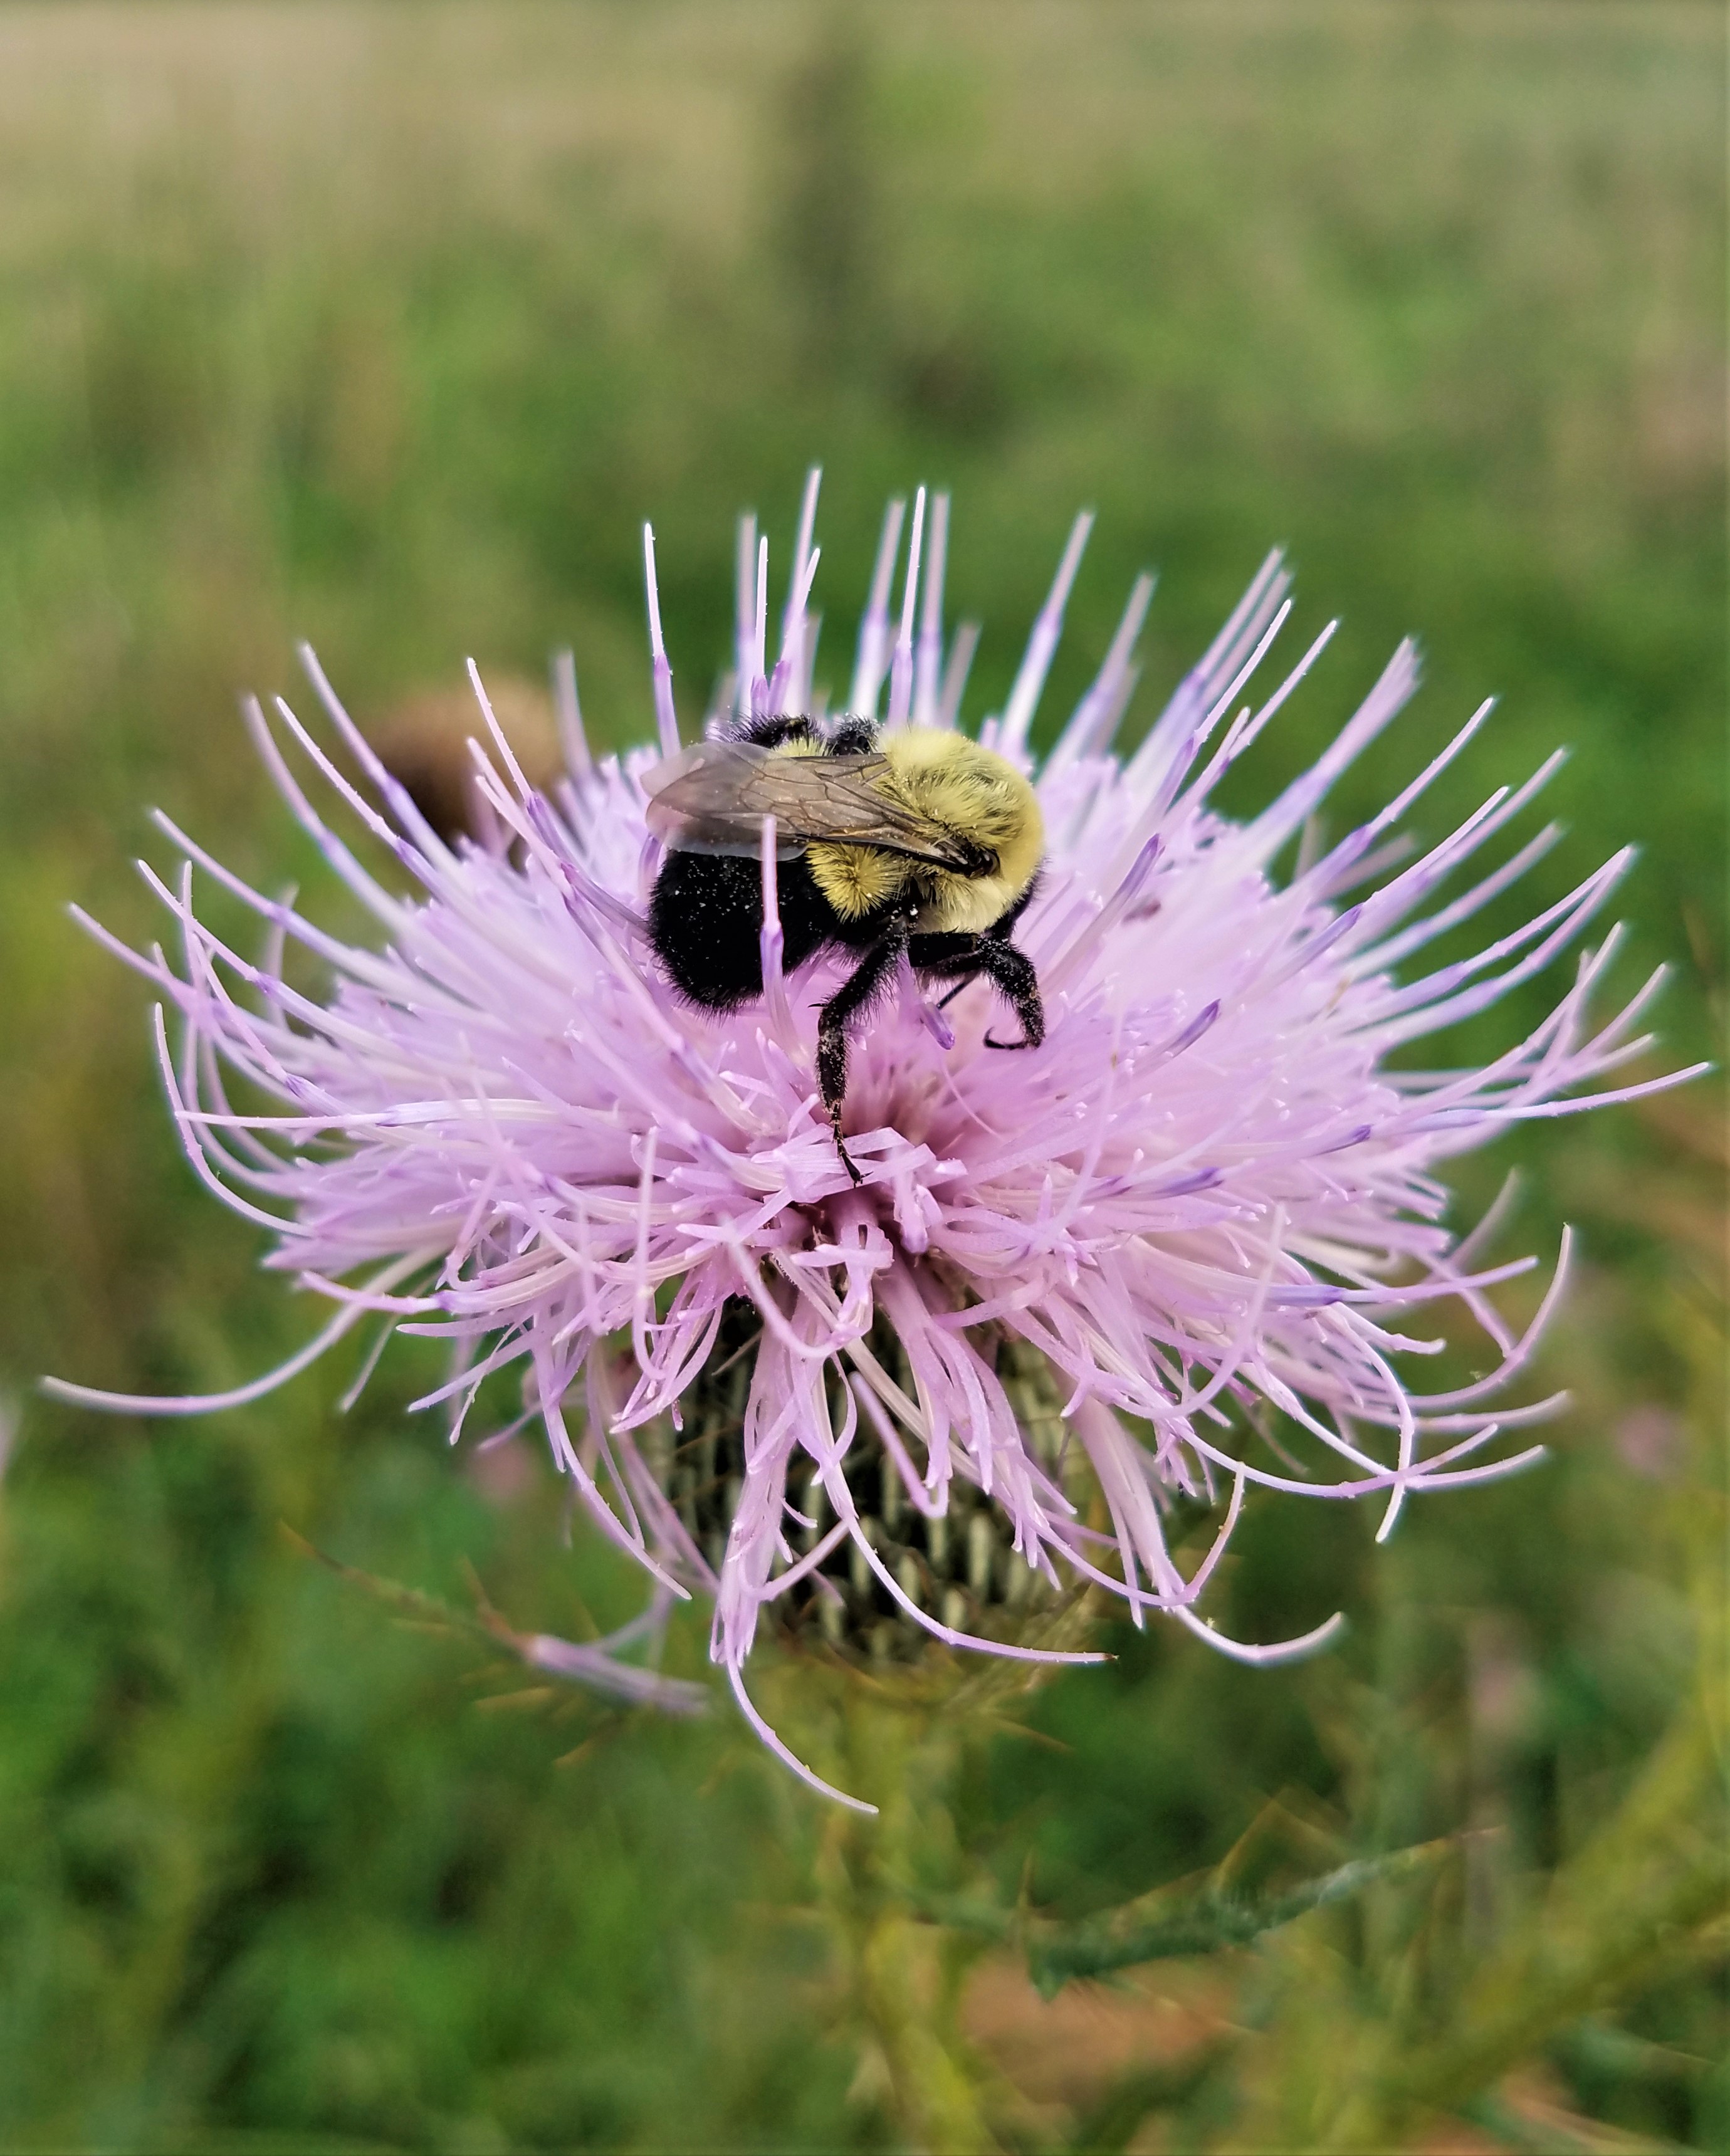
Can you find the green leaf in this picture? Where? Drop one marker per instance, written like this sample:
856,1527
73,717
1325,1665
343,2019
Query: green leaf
1194,1916
1201,1917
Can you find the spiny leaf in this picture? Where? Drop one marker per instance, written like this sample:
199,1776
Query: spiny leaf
1193,1916
1200,1917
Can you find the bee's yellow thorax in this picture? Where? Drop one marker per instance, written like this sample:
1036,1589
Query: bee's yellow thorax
963,790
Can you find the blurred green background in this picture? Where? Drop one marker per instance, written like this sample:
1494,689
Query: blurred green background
387,327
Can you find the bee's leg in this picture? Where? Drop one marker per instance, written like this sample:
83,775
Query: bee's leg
999,931
1010,972
948,955
866,983
776,732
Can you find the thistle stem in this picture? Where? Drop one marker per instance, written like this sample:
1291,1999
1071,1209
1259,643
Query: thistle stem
903,1977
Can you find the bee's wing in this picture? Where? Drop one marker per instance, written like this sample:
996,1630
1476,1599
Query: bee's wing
713,798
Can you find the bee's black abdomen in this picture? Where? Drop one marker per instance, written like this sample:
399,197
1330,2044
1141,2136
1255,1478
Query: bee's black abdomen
705,917
706,920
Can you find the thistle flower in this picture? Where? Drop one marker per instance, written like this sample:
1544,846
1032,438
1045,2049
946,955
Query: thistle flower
1209,1200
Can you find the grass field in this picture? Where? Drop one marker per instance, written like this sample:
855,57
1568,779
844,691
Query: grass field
387,327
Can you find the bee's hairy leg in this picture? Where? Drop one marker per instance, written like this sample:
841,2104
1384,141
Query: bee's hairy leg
1012,975
835,1124
851,737
1010,972
950,956
862,987
776,732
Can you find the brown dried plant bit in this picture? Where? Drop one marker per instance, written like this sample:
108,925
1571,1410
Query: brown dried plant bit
424,739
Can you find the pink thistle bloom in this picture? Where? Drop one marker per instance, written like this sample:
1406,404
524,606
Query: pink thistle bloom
1206,1196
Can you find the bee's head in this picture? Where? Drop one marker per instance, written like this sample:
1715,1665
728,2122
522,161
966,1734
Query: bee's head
982,800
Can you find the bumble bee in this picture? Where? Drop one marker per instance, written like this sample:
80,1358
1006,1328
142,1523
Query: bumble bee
916,843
